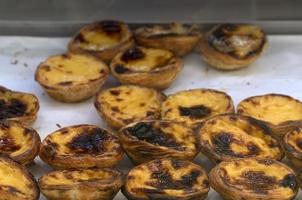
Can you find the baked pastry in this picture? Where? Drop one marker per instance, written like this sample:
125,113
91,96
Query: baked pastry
88,184
166,179
149,67
81,146
102,39
197,105
254,179
72,77
282,113
231,136
176,37
18,142
16,182
125,104
230,46
293,147
18,106
148,140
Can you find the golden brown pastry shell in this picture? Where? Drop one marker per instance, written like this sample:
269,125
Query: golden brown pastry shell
141,151
108,156
89,189
230,192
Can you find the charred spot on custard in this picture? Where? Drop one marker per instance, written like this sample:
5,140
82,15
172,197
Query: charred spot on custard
88,142
110,27
145,131
258,181
289,181
7,145
121,69
134,53
164,180
222,142
299,143
80,38
12,108
198,111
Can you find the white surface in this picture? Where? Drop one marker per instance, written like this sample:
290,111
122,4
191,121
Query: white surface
279,70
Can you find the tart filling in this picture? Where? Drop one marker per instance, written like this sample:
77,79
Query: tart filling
81,146
166,179
237,41
230,46
272,108
196,105
148,67
16,182
102,184
123,105
18,142
148,140
231,136
282,113
254,179
102,39
19,106
71,77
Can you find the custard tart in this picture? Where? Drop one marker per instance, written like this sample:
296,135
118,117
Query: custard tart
148,140
149,67
254,179
293,147
230,46
231,136
125,104
19,142
167,179
72,77
281,112
102,39
81,146
197,105
18,106
16,183
176,37
86,184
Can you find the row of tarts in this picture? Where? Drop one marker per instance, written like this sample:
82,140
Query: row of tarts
246,147
149,56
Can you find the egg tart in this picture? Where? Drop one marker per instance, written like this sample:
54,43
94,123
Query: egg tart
293,147
81,146
231,136
102,39
176,37
71,77
282,113
19,142
166,179
148,140
230,46
16,183
88,184
122,105
254,179
18,106
149,67
197,105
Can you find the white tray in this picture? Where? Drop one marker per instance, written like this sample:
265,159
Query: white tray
279,70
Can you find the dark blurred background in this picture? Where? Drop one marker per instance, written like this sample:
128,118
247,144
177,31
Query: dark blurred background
63,17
